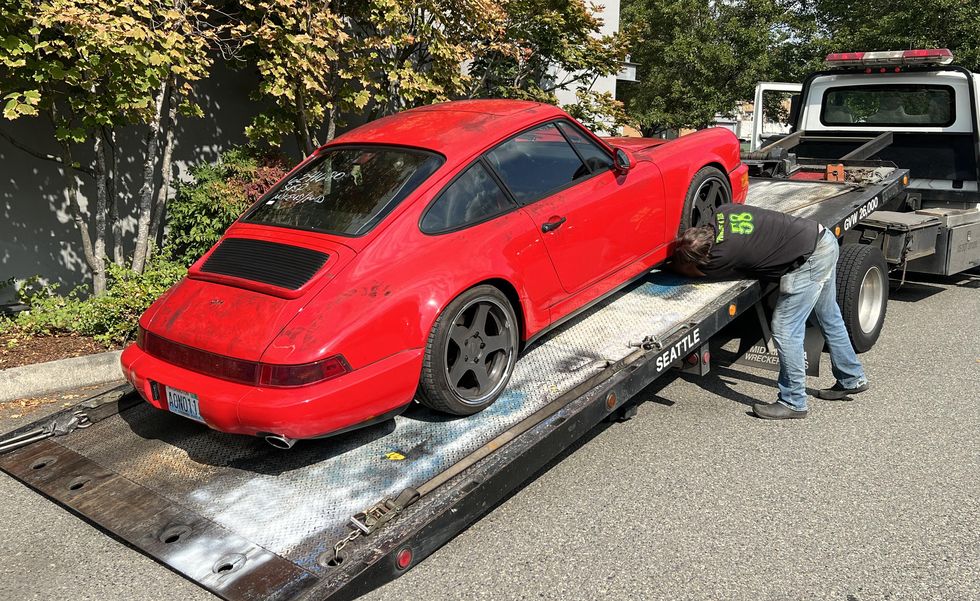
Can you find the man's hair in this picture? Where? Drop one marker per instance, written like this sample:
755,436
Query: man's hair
694,246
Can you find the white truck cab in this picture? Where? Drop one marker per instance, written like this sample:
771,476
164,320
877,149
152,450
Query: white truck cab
914,109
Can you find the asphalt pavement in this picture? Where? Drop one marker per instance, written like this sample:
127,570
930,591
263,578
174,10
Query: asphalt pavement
876,498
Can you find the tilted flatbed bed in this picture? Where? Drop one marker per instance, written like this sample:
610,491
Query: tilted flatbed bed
248,521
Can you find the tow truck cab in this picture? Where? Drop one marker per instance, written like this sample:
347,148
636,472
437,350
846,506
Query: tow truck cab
913,108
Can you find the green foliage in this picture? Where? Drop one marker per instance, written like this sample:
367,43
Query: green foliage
414,49
110,318
699,58
320,62
546,45
218,193
94,63
600,112
856,25
295,46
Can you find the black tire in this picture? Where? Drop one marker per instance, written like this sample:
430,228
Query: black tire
459,375
862,293
709,190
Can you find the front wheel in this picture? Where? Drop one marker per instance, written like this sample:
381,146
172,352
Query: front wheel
470,353
862,293
709,191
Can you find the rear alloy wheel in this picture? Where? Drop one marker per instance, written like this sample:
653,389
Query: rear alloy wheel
862,293
709,191
471,353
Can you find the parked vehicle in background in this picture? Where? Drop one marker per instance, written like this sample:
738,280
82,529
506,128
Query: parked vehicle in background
413,257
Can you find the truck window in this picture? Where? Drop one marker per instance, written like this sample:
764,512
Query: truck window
893,105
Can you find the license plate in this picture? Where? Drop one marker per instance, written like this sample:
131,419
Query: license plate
183,403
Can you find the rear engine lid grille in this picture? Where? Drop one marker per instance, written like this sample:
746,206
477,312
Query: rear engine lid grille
267,262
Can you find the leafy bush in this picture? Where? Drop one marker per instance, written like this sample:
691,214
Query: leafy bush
110,318
204,208
196,218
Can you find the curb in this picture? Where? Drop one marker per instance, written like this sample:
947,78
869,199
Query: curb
55,376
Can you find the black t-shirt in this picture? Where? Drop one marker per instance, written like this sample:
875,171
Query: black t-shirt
754,243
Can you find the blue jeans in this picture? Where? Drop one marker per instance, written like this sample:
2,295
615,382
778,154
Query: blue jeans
812,287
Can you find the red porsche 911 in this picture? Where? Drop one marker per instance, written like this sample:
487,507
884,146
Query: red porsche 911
413,258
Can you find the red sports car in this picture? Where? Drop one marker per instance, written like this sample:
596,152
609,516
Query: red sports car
413,258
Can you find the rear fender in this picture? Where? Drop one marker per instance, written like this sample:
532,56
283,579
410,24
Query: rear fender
680,159
386,300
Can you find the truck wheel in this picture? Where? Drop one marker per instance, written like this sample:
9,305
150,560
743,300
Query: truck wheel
862,293
470,353
709,190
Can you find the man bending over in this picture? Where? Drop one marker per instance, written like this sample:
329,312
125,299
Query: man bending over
747,242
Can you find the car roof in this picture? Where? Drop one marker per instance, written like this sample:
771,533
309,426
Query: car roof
454,129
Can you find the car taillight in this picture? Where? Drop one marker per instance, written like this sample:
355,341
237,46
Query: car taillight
283,376
240,370
219,366
897,58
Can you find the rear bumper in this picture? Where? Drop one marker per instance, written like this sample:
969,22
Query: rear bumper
302,412
739,178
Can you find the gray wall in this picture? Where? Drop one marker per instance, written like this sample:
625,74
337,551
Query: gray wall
37,236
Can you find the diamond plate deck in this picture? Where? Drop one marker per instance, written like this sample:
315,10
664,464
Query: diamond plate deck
292,506
805,199
296,504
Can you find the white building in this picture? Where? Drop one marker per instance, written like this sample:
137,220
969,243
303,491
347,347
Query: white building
609,13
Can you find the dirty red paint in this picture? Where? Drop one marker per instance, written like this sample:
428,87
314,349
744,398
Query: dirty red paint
378,295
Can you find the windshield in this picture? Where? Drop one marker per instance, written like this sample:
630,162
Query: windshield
345,191
889,105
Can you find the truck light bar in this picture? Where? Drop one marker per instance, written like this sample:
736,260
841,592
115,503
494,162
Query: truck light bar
897,58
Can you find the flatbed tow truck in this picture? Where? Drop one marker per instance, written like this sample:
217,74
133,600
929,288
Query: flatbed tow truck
338,517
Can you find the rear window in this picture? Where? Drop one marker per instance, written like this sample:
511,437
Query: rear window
872,106
345,191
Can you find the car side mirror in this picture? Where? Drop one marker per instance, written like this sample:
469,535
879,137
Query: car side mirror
621,161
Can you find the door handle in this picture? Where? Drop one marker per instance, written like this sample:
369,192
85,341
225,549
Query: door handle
551,226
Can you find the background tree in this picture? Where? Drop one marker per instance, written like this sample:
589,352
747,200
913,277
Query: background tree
548,45
854,25
322,63
90,68
296,47
415,50
698,58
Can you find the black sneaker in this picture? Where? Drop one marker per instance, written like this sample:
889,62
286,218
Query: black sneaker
838,392
776,411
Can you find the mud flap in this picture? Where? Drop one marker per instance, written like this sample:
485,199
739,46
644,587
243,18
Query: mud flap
758,350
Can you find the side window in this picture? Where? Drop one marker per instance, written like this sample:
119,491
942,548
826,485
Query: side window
537,162
473,197
595,157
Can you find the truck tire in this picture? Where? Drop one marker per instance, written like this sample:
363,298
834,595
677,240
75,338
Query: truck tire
709,190
862,293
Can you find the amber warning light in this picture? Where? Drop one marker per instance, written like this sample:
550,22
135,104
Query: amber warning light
897,58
